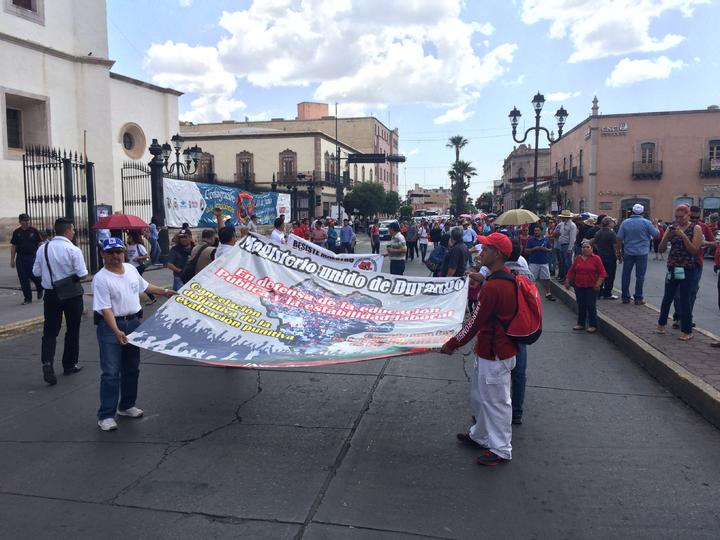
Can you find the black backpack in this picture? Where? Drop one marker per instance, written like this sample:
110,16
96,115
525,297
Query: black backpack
190,268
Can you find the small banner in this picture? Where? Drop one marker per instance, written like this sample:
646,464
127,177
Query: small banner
364,261
267,305
193,203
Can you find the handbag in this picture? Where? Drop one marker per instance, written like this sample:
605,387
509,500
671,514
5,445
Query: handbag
67,287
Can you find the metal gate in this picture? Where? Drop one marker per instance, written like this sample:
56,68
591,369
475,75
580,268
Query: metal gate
61,184
136,190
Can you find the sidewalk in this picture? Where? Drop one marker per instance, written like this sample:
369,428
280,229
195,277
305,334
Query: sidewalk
690,370
17,319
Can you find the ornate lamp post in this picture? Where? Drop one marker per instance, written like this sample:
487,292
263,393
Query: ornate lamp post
561,115
191,156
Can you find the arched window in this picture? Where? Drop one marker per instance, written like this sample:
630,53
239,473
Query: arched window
647,152
288,164
362,174
371,174
244,167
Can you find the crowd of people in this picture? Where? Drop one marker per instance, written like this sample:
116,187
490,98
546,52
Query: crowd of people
579,251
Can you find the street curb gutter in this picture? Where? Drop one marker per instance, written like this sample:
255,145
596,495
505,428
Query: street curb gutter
700,395
9,331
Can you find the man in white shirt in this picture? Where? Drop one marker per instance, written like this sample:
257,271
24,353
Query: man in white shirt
396,250
117,312
56,260
278,234
228,238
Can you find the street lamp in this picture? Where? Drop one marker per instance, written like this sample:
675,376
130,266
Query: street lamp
560,116
189,163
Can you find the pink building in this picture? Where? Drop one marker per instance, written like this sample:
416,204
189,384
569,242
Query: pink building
609,162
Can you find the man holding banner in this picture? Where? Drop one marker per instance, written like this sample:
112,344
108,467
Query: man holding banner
494,356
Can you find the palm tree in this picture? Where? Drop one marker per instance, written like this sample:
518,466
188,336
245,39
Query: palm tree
460,175
457,142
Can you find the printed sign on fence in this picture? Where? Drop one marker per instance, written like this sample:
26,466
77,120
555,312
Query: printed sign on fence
193,203
267,305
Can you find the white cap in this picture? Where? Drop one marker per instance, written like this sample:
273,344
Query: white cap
638,208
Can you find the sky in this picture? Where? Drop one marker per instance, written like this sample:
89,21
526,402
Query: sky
431,68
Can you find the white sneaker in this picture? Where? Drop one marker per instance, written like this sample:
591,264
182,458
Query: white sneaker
107,424
132,412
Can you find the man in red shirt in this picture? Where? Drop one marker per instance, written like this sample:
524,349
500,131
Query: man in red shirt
494,356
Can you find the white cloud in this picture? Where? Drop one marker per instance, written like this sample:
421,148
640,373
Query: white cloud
367,54
554,97
515,82
631,71
185,3
602,28
412,152
456,114
195,70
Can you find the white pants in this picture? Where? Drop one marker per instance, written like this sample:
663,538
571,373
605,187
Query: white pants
491,405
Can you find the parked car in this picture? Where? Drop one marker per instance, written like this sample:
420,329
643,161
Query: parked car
384,231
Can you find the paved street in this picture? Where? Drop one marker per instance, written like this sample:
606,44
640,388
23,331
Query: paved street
358,451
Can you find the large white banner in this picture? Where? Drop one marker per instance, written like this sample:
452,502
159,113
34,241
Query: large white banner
362,261
267,305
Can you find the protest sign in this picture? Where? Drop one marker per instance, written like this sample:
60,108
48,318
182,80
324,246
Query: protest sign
193,203
266,305
364,261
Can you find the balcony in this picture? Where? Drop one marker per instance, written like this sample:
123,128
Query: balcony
247,180
517,180
709,167
647,171
563,178
576,174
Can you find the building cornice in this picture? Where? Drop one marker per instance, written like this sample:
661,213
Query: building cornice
56,53
279,134
143,84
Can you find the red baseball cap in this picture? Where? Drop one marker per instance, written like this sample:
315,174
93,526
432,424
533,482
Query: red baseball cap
497,240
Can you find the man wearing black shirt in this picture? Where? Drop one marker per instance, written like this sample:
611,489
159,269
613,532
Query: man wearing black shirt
24,245
456,261
605,241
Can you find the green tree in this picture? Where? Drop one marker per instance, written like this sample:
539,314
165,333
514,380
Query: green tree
406,211
460,175
541,205
457,142
470,206
366,199
392,203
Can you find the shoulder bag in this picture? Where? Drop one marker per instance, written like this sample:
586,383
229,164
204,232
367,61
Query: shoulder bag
65,288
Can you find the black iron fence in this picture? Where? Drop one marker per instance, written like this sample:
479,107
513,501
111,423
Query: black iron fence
136,190
62,184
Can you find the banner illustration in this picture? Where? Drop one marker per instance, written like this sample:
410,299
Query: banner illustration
193,202
267,305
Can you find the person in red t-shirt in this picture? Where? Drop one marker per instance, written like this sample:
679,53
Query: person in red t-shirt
494,356
587,273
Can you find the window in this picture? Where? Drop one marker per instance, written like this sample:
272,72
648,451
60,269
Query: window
133,140
362,175
128,141
647,152
580,162
714,147
288,164
14,128
205,166
32,10
371,175
244,167
26,123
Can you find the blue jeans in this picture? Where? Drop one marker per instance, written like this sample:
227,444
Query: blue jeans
120,370
683,289
640,264
518,378
695,287
566,255
177,283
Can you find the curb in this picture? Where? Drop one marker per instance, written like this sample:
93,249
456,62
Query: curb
690,388
9,331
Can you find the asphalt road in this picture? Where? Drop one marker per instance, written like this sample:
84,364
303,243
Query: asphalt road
360,451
